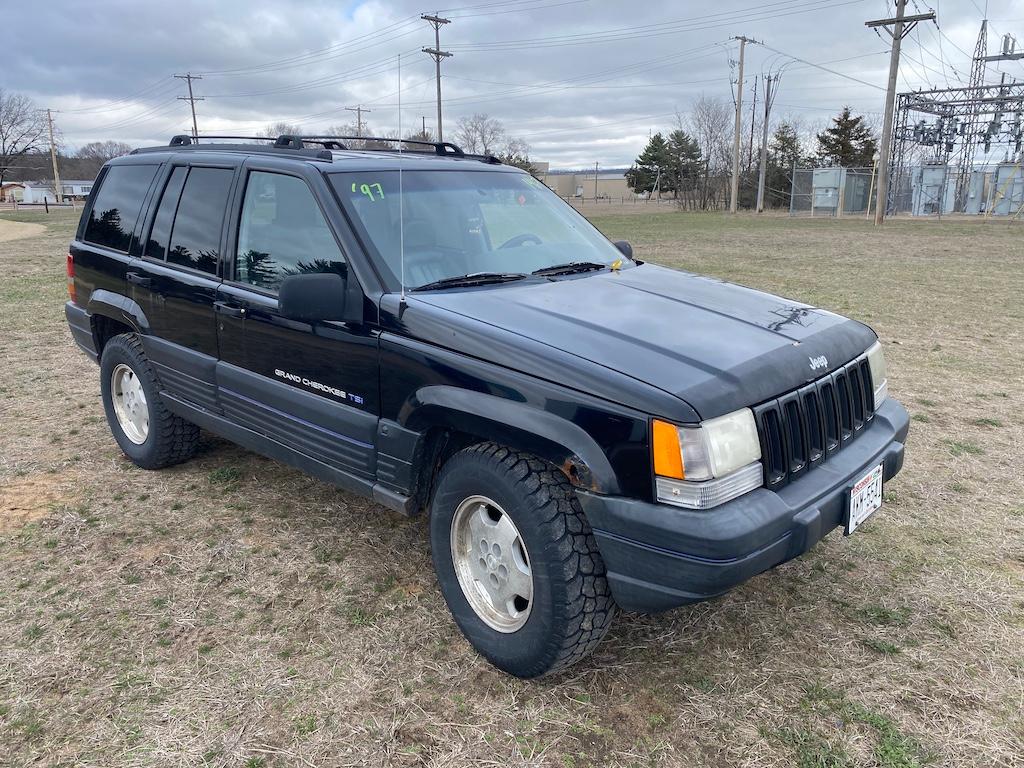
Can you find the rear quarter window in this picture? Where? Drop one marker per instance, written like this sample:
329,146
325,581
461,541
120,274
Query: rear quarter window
117,205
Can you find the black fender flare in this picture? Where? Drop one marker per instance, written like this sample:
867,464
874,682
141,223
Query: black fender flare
117,307
518,425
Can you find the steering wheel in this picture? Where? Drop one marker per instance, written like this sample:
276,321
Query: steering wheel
522,239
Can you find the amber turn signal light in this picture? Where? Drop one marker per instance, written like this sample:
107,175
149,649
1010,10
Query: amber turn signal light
668,457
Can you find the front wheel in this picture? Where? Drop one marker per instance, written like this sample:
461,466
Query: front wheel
517,562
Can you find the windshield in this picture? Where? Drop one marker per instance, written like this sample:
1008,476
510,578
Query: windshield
466,222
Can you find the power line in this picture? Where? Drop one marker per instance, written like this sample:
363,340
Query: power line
561,85
719,19
542,6
120,103
150,113
409,24
819,66
380,66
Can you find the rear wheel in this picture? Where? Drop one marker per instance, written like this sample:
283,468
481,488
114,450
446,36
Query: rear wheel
150,435
517,562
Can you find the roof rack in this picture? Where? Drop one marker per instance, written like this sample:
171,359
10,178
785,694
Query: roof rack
335,142
184,141
442,148
325,143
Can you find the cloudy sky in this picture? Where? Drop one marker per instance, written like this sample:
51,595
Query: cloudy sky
580,80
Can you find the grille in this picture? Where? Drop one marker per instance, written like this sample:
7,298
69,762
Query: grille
805,427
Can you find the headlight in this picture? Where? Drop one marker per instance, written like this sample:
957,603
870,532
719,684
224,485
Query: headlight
879,373
701,467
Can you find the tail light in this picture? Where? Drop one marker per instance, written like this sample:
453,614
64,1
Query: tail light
71,279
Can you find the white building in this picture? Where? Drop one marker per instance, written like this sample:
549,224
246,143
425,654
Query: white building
42,191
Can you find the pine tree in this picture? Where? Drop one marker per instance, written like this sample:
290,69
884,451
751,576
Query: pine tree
684,161
847,142
644,173
784,148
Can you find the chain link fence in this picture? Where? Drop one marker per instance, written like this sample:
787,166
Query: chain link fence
928,190
832,191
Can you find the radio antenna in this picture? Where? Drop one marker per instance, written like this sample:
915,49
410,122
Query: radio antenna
401,196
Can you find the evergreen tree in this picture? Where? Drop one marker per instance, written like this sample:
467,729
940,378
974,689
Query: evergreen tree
784,150
784,153
685,164
644,173
847,142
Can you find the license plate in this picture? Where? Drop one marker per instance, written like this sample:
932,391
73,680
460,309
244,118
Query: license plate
865,499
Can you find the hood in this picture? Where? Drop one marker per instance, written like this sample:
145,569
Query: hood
715,345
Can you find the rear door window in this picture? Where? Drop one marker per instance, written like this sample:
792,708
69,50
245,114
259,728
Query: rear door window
195,236
117,205
160,235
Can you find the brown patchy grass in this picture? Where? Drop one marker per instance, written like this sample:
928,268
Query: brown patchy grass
232,611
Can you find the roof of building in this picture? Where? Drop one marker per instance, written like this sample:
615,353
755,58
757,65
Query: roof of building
610,172
48,183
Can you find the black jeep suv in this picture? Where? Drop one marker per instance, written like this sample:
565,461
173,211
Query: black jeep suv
441,332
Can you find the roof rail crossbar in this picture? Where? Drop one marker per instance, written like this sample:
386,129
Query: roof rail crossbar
288,142
444,148
183,139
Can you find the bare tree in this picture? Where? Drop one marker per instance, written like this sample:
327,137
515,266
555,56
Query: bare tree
711,124
517,152
101,151
22,129
480,134
273,130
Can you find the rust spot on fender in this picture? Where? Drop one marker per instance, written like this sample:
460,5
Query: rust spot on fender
579,474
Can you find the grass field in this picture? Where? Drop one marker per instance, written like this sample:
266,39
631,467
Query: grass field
234,612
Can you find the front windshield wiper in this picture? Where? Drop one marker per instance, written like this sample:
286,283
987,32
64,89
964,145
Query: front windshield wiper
473,278
569,269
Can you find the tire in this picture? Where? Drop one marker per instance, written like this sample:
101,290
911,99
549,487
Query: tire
165,439
570,607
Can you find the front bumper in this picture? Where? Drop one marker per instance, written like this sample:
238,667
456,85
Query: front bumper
659,557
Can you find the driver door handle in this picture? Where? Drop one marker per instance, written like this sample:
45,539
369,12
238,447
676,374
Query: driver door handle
140,280
228,309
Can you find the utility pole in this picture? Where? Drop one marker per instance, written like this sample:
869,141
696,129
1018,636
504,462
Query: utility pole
423,126
753,121
437,54
901,25
359,109
58,188
595,182
771,87
738,129
191,99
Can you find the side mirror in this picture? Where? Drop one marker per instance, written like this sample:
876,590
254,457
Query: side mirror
624,248
320,296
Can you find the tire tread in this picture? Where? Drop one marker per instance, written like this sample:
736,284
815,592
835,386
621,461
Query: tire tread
591,608
177,439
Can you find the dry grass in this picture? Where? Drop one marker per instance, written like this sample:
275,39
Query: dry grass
235,612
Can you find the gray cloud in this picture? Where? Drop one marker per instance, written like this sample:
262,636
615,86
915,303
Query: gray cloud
581,81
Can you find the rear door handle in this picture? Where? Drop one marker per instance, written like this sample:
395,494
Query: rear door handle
228,310
136,279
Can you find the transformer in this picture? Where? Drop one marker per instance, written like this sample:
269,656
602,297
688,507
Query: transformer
1007,190
933,187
